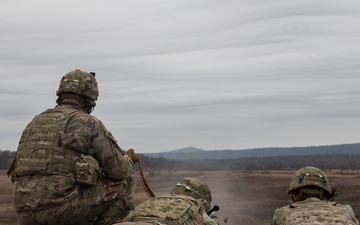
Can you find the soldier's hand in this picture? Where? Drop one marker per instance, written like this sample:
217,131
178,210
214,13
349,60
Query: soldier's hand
131,153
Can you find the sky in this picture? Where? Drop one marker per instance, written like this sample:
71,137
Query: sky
210,74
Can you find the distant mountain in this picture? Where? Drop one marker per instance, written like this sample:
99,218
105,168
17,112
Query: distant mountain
192,153
185,150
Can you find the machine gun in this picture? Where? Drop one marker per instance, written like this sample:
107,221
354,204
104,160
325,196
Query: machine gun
150,193
212,210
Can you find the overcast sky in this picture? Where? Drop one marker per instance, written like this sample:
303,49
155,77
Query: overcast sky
234,74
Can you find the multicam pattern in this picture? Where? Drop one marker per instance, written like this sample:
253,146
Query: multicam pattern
169,210
309,176
46,187
139,223
79,82
184,206
195,188
314,211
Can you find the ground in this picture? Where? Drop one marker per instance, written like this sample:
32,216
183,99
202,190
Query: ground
243,197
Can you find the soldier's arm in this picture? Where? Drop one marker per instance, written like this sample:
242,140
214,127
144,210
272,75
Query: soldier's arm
114,163
276,216
87,134
351,214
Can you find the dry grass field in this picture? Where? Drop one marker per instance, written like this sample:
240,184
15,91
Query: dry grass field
243,197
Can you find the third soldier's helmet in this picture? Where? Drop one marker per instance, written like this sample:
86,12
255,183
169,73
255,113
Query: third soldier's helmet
195,188
309,177
79,82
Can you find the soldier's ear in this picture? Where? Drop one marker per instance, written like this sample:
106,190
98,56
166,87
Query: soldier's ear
295,197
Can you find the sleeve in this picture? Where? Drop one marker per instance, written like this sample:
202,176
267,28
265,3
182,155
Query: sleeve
112,160
351,214
89,135
276,216
208,220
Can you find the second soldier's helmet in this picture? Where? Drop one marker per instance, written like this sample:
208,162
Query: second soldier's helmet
310,177
195,188
79,82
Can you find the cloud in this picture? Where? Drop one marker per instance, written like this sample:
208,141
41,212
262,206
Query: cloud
209,74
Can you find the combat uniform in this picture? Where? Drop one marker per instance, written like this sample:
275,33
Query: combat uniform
185,205
167,210
199,190
313,202
315,212
208,220
70,170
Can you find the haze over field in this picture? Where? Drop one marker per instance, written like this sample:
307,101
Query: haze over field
233,74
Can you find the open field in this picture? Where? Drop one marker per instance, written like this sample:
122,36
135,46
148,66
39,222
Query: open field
243,197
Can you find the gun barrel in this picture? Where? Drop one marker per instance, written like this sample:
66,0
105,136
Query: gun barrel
214,208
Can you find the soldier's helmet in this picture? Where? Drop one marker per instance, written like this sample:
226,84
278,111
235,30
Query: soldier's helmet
79,82
195,188
310,177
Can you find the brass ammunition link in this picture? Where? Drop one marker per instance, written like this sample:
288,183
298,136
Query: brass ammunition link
144,183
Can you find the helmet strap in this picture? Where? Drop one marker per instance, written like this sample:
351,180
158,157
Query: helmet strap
89,105
305,193
78,100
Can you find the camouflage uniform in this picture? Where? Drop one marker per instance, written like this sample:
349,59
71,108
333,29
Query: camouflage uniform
315,212
199,190
185,205
208,220
168,210
70,170
313,202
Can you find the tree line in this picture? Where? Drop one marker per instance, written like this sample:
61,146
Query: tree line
6,157
326,162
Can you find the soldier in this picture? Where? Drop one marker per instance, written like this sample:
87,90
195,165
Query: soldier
186,205
199,190
312,202
68,168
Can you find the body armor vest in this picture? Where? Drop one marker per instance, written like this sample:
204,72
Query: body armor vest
167,209
316,213
40,150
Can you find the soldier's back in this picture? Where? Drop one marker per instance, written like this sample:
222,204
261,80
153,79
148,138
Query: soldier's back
168,210
316,212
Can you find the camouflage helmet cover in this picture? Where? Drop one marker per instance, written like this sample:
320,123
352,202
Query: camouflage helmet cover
309,177
195,188
79,82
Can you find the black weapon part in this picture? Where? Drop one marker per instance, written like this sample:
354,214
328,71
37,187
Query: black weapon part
214,208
